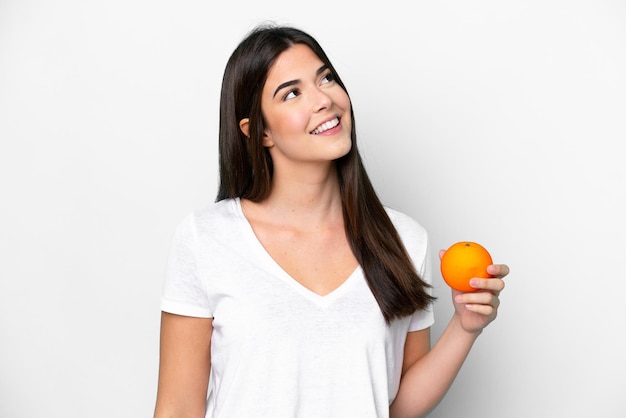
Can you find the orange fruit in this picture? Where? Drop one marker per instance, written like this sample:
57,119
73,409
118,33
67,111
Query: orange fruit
462,262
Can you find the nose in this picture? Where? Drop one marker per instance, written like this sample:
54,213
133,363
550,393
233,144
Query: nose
323,101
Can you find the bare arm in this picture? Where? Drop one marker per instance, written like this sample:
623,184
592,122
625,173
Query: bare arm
428,379
184,367
427,375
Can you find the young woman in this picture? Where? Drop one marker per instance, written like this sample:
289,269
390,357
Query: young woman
298,294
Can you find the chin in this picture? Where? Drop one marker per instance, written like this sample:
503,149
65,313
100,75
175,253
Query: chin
343,151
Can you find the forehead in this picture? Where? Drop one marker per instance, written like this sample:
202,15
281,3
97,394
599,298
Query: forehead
294,63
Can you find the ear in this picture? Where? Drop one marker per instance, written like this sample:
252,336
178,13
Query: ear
267,140
244,125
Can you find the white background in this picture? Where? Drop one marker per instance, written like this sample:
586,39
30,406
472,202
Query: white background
501,122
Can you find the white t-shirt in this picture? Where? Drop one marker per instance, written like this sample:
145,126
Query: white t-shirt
279,350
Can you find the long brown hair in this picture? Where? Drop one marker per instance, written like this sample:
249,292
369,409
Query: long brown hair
246,171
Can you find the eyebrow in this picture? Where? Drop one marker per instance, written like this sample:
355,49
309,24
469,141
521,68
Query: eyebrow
319,71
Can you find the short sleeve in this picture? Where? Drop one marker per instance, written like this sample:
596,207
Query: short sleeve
184,292
415,239
426,318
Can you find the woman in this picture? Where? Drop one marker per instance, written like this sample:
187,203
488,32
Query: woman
297,294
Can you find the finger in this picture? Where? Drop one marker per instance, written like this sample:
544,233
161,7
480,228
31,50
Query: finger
441,253
494,284
498,270
478,298
485,310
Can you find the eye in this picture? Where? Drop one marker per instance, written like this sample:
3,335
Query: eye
328,78
291,94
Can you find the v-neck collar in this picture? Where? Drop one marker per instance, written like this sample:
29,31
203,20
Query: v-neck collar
280,273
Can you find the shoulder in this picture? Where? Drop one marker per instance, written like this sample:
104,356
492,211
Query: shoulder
413,235
406,225
210,219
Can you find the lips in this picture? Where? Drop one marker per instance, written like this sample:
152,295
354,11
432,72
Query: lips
326,126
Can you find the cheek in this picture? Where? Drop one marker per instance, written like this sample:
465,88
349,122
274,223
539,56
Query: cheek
343,101
288,122
347,106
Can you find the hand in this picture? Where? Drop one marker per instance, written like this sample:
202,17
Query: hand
478,309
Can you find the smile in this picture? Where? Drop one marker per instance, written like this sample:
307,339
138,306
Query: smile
326,126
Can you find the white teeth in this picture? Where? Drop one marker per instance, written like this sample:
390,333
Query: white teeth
326,126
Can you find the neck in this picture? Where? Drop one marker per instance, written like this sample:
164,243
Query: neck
305,199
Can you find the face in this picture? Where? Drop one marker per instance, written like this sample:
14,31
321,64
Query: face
307,114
